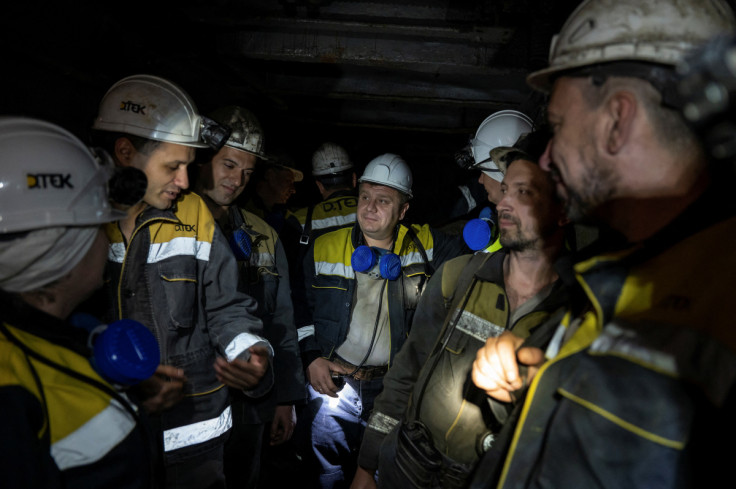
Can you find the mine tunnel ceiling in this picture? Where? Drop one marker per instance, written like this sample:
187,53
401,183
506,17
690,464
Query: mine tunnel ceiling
432,66
437,66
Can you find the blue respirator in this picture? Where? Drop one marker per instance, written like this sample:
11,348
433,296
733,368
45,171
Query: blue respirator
366,259
241,244
481,232
124,352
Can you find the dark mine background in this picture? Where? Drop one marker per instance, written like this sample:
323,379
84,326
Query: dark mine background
413,77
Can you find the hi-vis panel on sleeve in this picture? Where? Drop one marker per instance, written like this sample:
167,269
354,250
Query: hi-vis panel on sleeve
305,331
85,445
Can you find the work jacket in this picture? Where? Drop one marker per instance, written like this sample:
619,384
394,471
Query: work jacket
330,284
306,225
178,277
265,277
334,212
464,304
63,425
639,391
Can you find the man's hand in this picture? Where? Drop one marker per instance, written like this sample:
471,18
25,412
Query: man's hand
282,427
496,366
163,389
363,479
319,375
241,374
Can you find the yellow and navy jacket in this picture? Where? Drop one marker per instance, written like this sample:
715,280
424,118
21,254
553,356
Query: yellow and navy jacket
429,379
640,389
59,430
335,212
330,284
304,226
265,277
178,276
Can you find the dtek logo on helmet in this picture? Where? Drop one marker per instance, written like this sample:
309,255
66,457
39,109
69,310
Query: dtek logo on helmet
46,180
133,107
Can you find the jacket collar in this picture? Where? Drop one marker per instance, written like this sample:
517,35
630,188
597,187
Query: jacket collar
492,269
342,193
706,211
21,315
151,212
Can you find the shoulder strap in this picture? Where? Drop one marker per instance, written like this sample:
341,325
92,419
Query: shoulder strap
428,268
304,239
466,283
451,276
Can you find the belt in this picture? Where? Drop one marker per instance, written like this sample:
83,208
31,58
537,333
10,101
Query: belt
366,372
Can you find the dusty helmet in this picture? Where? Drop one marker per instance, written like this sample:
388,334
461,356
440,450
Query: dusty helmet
330,158
151,107
502,128
389,170
653,31
49,178
246,133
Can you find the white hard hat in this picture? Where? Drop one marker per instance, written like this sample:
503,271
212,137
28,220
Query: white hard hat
153,108
246,132
389,170
330,158
652,31
502,128
49,178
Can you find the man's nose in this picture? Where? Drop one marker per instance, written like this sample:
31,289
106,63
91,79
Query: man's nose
546,159
182,178
236,176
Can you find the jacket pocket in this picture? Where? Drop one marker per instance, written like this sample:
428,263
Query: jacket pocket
623,395
332,306
613,413
413,281
179,282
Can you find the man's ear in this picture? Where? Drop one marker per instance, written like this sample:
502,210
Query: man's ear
124,151
404,208
621,109
320,187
